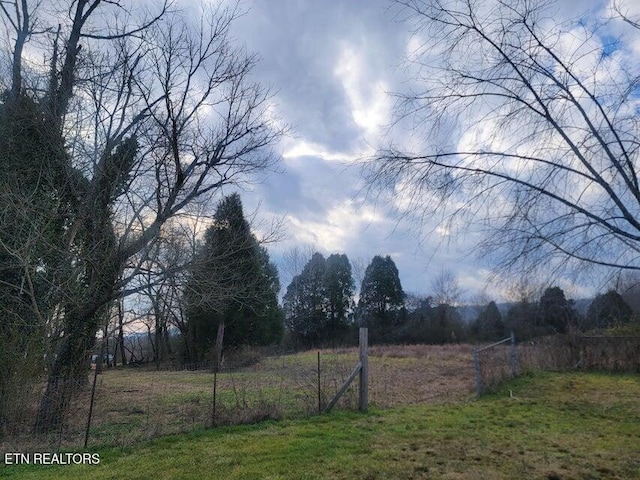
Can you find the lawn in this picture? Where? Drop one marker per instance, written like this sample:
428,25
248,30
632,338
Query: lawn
544,426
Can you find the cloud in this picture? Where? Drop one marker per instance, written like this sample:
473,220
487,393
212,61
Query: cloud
332,65
329,62
368,99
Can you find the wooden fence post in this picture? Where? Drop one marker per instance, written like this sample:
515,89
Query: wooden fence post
364,369
361,370
217,361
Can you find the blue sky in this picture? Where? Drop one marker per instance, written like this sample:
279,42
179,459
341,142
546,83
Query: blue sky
333,66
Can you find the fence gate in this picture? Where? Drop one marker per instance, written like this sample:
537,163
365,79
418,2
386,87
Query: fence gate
362,369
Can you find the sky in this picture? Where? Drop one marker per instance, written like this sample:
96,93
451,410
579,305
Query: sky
333,66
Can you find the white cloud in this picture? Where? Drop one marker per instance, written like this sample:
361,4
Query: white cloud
368,98
340,230
305,148
332,64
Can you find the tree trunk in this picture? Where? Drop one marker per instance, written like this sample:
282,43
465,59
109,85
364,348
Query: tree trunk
68,373
81,323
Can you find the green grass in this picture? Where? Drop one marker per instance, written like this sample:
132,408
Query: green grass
546,426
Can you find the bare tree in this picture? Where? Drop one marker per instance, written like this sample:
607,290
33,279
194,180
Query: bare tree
358,267
415,301
526,127
147,116
445,289
294,260
524,290
159,295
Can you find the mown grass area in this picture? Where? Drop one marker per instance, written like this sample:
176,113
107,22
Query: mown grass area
545,426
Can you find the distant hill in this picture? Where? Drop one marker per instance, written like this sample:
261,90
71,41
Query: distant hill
632,297
582,305
469,313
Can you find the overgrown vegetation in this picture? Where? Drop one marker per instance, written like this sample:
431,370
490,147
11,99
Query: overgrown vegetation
111,132
115,136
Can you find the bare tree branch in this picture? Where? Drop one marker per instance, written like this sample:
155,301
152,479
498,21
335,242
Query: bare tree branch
526,128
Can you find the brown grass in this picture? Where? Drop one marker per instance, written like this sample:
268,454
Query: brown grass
133,404
419,374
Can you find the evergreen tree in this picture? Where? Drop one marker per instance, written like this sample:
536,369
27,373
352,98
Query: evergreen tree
268,318
234,283
381,304
319,300
109,180
521,320
338,290
488,325
305,302
606,310
555,312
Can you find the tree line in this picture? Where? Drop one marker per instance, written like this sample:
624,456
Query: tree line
320,306
229,294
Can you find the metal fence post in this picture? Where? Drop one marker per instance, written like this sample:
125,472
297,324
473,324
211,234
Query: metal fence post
215,394
217,363
319,388
514,364
93,396
364,369
476,365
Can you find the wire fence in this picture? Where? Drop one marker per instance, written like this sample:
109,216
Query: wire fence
586,352
133,404
495,363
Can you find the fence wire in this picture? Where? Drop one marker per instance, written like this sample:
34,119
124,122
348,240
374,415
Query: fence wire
133,404
494,364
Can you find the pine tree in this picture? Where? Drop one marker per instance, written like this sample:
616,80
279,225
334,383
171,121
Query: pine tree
319,301
338,288
489,324
606,310
381,303
555,312
304,302
234,283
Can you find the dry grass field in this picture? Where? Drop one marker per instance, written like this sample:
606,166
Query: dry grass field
134,404
420,374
